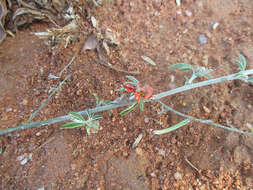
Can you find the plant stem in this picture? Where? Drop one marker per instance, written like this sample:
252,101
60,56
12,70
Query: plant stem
199,84
209,122
113,106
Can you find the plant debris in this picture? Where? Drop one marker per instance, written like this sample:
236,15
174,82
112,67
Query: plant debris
3,12
90,43
148,60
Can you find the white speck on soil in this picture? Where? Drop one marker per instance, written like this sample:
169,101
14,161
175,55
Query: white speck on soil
188,13
202,39
178,176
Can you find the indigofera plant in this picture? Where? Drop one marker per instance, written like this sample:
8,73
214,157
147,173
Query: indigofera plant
135,94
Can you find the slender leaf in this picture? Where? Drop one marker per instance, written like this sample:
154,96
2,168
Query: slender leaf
96,98
88,114
141,104
120,89
181,67
72,125
241,63
76,116
126,111
130,82
148,60
133,79
174,127
95,117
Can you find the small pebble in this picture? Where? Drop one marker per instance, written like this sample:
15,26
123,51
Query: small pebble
188,13
23,162
38,134
25,102
125,154
206,109
153,174
8,109
202,39
215,25
146,120
21,157
178,176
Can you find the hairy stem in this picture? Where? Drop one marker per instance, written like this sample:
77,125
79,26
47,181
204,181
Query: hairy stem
113,106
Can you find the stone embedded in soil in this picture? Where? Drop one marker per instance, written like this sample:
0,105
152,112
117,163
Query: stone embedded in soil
202,39
188,13
25,102
146,120
178,176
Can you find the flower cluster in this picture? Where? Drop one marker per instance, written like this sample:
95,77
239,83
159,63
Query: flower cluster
139,91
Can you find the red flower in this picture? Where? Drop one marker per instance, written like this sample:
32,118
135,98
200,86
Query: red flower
137,96
147,91
139,92
129,87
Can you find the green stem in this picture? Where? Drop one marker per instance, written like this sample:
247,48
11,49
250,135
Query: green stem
209,122
113,106
200,84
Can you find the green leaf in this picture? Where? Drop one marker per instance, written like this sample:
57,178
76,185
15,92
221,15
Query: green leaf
121,89
126,111
93,124
130,82
95,117
72,125
97,98
181,67
241,63
76,116
88,114
133,79
174,127
148,60
141,104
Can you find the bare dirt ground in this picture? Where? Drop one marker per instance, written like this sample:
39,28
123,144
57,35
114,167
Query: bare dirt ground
194,157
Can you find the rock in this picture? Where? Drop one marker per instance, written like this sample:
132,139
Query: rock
178,176
202,39
188,13
146,120
38,134
206,109
90,43
8,109
21,157
153,174
25,102
215,25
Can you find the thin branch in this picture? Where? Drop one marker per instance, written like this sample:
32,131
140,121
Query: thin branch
200,84
209,122
155,97
46,101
